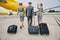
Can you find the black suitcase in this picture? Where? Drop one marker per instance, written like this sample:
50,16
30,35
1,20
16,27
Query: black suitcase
43,29
33,29
12,29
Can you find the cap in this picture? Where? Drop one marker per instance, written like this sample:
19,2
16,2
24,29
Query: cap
30,2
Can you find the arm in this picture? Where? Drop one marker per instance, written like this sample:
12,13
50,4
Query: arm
17,11
26,11
32,11
38,6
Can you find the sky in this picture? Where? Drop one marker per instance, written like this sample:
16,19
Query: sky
46,4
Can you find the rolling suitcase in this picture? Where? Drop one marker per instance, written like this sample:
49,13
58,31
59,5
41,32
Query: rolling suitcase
12,29
33,29
43,29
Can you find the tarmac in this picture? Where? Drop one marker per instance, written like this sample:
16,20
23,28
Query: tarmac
22,34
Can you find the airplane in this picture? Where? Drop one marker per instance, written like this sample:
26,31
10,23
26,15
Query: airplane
10,5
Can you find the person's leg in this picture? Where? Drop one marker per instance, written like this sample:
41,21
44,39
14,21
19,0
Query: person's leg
31,20
21,20
38,18
38,21
23,24
28,20
20,24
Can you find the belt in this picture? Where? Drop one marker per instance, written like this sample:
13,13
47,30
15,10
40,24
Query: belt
21,12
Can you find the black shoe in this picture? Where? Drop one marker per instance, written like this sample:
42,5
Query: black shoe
20,27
